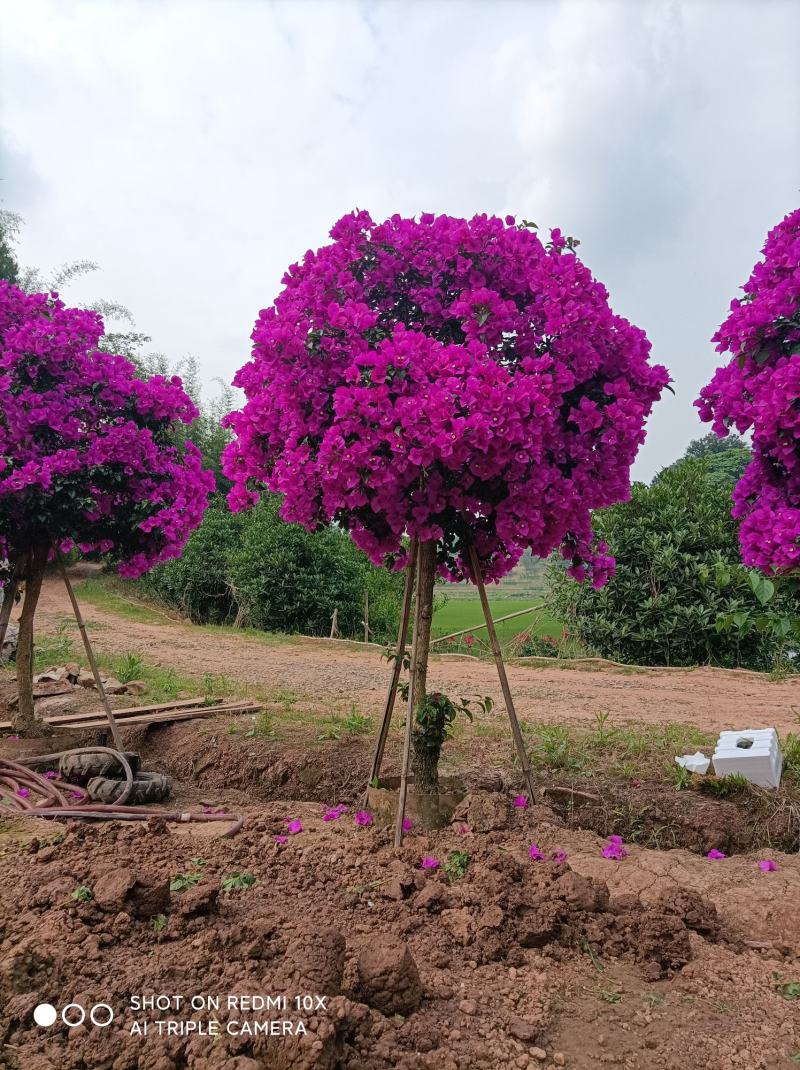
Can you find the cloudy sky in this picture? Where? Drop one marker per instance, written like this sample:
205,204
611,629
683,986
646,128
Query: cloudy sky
195,149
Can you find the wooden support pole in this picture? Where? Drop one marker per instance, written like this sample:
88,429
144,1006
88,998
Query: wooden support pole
519,742
366,615
76,609
9,594
334,623
397,667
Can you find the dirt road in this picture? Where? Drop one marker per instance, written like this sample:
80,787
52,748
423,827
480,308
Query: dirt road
710,699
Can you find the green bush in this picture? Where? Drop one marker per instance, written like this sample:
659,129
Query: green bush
680,595
255,569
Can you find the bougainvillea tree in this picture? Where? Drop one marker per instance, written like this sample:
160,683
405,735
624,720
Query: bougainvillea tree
456,381
758,390
88,455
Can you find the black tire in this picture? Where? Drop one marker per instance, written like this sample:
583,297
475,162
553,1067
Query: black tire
80,768
147,788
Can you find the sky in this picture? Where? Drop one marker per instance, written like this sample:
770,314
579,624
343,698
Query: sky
195,150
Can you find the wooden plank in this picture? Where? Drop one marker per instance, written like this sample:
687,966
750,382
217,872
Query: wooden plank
157,718
78,721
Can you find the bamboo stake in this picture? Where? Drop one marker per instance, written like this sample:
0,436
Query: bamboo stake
401,799
334,624
397,668
478,627
76,609
366,616
9,594
519,742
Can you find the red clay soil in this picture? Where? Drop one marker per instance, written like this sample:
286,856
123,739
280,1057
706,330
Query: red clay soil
710,699
654,962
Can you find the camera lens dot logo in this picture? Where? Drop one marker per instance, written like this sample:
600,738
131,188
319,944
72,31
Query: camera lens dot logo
45,1014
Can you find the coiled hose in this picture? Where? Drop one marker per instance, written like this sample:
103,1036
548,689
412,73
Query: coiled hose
30,794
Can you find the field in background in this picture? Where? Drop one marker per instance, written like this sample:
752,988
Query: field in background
459,613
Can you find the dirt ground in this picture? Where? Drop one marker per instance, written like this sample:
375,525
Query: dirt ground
710,699
494,959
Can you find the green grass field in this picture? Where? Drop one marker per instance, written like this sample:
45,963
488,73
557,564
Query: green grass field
466,613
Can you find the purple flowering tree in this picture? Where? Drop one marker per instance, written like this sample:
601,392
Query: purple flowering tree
758,390
88,456
455,381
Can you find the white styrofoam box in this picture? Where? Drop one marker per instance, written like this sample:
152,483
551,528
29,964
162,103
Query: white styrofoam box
695,763
753,752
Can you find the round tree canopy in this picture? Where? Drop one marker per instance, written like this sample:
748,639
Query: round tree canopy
759,389
88,451
454,380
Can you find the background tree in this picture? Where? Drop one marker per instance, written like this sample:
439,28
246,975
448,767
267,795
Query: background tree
255,569
758,390
456,381
88,454
725,458
680,594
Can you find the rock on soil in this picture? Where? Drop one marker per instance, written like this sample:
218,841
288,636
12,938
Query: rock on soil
388,979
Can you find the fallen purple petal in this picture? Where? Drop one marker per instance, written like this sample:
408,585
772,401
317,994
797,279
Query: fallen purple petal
429,862
536,853
363,818
714,854
294,826
521,802
768,865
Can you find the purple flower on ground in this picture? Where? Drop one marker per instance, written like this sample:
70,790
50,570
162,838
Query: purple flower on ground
14,738
23,793
559,856
50,775
281,840
614,849
334,813
293,826
363,818
429,862
408,824
464,830
536,853
76,795
521,802
714,854
767,865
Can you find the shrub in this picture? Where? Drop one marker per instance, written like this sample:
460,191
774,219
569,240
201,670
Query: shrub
680,595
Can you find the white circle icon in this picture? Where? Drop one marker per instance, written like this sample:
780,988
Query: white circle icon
45,1014
67,1021
95,1018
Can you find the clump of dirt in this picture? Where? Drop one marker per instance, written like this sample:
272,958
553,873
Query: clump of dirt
388,979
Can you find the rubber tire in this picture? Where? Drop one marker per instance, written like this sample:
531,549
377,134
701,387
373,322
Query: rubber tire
80,768
147,788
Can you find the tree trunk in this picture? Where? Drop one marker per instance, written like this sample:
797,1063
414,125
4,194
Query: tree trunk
426,768
9,594
25,721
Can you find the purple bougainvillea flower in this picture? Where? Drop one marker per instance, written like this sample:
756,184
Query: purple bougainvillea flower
419,417
23,793
536,853
76,794
614,849
429,862
714,854
521,802
768,865
408,824
363,818
334,813
559,856
50,775
293,826
13,738
281,840
464,830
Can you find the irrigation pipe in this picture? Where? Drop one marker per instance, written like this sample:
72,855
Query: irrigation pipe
27,793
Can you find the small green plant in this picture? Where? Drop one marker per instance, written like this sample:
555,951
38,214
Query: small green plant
680,776
356,723
609,995
130,668
263,726
791,757
197,863
237,882
182,882
590,951
158,923
723,787
601,717
82,894
456,865
787,989
215,684
552,749
654,999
